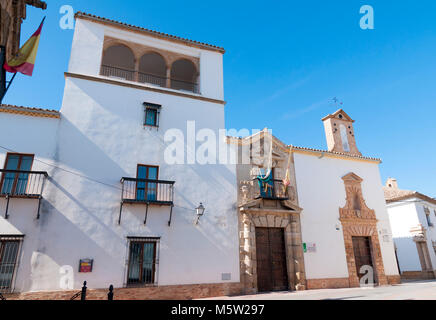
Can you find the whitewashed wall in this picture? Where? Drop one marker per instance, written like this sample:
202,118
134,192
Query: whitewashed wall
403,216
100,139
37,136
86,54
430,230
321,192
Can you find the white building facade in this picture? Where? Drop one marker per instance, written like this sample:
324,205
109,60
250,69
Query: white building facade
318,220
112,210
412,217
98,192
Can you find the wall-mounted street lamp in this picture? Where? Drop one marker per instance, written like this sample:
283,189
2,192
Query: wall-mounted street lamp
200,212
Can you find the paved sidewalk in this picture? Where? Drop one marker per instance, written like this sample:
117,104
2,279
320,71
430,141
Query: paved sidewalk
420,290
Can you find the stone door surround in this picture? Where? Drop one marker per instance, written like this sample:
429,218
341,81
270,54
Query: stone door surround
360,221
263,218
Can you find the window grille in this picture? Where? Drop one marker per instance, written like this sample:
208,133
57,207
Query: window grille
143,261
9,249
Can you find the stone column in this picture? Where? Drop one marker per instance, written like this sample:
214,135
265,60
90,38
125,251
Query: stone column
168,84
246,253
298,255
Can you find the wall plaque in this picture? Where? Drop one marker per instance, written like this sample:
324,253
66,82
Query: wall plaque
85,265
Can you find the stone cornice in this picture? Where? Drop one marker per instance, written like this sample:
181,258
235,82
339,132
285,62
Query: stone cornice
148,32
139,86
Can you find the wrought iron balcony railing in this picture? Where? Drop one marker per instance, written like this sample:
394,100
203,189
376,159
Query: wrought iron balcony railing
133,75
22,184
148,192
152,79
115,72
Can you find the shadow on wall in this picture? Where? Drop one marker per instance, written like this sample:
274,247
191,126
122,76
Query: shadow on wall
407,254
217,178
44,253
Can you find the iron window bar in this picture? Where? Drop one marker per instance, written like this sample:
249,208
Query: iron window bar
22,184
147,192
10,248
152,108
142,272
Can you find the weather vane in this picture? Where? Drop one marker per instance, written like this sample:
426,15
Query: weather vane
337,102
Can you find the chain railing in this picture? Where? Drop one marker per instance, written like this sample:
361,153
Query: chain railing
82,293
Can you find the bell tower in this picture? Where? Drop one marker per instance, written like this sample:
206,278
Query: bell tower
340,133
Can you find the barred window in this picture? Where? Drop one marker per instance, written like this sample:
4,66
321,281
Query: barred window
143,261
152,112
9,248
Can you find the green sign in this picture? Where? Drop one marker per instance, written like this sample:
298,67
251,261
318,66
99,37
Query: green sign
304,247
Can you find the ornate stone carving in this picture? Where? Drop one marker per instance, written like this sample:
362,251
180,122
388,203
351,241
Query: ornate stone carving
355,206
359,221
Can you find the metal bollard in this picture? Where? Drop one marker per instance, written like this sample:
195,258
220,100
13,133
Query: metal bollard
110,295
83,295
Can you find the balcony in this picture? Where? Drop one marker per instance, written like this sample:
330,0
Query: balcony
141,77
22,184
258,189
147,192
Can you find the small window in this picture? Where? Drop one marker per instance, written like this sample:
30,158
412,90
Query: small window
427,215
143,261
430,224
152,112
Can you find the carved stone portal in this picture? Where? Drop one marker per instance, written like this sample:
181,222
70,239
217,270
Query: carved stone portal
360,221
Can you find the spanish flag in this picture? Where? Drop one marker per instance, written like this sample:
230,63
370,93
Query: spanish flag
24,61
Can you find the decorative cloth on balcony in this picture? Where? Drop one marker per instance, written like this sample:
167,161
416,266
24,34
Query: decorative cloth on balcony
266,185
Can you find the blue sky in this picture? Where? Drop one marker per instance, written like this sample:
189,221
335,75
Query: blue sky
285,61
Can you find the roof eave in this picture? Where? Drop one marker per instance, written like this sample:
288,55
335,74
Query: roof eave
157,34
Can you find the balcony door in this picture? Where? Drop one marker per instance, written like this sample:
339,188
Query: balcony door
12,182
147,191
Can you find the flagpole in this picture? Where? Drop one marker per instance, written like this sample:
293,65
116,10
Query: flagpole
2,73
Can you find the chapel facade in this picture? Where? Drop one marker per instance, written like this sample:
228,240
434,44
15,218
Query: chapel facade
312,218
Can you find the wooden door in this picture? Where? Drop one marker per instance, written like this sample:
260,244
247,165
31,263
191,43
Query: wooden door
271,260
362,254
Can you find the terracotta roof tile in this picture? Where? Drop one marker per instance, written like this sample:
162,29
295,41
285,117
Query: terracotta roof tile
395,194
158,34
336,153
33,112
